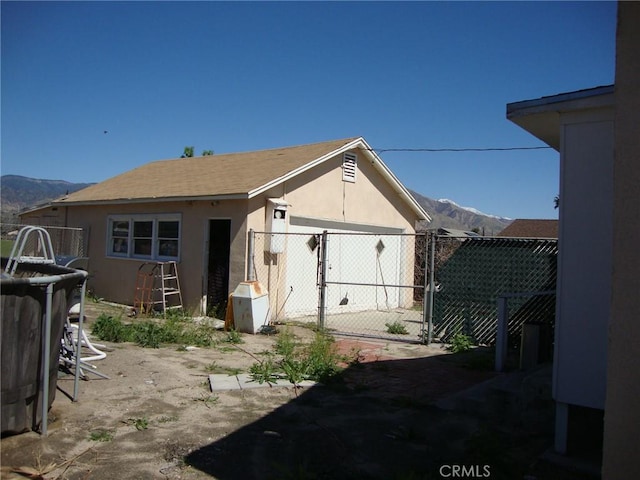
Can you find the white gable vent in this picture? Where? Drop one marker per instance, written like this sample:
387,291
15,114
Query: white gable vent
349,167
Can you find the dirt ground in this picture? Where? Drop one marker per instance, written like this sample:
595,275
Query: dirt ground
156,418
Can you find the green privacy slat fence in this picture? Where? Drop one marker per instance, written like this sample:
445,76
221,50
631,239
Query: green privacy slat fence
470,275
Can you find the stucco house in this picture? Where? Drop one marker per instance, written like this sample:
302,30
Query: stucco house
198,212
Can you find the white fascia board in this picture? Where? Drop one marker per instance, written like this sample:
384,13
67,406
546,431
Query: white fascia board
304,168
578,100
393,180
123,201
542,117
375,160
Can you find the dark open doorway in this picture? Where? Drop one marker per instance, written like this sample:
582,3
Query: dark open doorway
218,267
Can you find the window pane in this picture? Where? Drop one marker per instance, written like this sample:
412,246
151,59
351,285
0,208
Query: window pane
119,245
142,246
168,248
120,229
143,229
141,236
168,229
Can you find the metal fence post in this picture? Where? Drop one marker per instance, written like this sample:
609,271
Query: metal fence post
322,294
502,334
425,290
46,359
78,355
251,251
432,287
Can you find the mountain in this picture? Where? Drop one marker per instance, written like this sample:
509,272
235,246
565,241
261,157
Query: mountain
18,193
447,214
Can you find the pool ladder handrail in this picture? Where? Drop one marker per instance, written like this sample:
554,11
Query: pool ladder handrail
43,246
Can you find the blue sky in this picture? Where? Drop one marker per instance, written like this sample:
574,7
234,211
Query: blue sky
238,76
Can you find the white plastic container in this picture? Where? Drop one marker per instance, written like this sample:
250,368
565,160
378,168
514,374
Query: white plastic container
250,307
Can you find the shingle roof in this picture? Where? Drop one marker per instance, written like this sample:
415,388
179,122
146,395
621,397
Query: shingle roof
526,228
233,174
223,176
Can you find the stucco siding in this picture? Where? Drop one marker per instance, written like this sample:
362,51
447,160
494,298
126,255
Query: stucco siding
114,279
195,249
321,193
622,411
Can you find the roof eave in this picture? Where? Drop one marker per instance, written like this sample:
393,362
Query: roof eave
122,201
308,166
541,117
397,185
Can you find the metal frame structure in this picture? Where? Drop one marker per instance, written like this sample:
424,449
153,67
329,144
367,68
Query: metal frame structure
46,257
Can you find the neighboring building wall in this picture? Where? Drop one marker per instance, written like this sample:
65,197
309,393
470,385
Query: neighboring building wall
584,260
51,217
622,410
584,278
581,126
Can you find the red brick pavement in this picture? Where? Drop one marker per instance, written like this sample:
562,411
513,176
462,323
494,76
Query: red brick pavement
423,378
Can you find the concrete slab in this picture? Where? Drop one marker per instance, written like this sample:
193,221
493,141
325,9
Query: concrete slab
370,324
219,382
243,381
246,383
307,383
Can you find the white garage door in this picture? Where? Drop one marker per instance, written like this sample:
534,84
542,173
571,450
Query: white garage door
356,260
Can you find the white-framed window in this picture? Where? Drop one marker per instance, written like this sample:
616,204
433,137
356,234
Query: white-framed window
349,167
153,237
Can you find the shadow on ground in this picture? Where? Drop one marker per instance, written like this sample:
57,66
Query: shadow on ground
396,419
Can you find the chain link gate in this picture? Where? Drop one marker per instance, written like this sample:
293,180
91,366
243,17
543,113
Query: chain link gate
352,283
372,290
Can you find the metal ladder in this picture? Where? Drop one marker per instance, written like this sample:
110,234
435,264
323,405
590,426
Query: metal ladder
157,284
170,286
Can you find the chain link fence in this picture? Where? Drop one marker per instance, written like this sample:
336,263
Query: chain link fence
287,265
378,285
66,241
353,283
